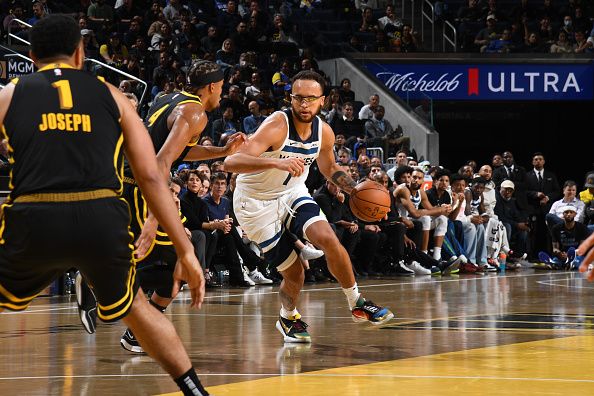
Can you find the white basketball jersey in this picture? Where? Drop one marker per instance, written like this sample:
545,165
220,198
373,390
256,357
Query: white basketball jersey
274,183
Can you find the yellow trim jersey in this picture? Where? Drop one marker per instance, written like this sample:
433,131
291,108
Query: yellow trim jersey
62,123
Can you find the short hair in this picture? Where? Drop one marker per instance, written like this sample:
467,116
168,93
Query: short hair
54,36
457,177
478,180
442,172
215,164
218,176
177,180
402,151
310,75
569,183
195,172
401,170
538,153
348,104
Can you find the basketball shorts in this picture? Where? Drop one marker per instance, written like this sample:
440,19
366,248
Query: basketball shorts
139,214
40,241
269,222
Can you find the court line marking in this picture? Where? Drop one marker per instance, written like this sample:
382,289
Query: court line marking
428,282
554,283
307,375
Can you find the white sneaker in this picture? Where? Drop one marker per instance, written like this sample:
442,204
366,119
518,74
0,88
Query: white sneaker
488,268
463,259
246,278
418,269
310,253
259,279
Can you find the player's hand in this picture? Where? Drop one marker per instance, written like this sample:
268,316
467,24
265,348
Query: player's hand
295,166
187,268
234,142
409,243
146,238
408,223
476,220
585,249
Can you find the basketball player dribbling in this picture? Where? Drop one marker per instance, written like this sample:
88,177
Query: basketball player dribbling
271,197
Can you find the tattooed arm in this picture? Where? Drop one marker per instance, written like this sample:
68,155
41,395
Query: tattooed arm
327,163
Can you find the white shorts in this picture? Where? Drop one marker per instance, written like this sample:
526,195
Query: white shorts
266,222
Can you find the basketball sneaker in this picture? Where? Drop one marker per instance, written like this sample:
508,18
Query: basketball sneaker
310,253
418,269
293,330
259,279
87,304
130,343
367,311
402,270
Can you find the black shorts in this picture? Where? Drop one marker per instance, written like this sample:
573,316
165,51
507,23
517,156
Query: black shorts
40,241
139,214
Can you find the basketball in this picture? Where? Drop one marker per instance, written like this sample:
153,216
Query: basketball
370,201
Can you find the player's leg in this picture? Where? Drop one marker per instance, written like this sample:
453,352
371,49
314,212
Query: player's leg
160,340
290,324
321,234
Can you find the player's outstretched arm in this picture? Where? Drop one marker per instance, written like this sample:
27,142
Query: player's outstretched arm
200,153
328,166
153,182
270,135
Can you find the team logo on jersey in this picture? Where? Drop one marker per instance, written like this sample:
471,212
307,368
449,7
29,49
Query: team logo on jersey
58,72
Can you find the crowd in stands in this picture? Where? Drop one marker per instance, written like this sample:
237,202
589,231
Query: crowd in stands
471,220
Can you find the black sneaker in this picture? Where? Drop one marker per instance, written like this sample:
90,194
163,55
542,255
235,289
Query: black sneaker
293,330
309,276
87,304
402,270
129,342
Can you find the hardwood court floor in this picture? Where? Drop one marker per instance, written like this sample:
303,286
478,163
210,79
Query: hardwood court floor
518,333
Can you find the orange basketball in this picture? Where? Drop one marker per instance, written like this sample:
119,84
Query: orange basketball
370,201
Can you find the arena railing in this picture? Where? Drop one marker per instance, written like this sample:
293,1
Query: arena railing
430,17
88,60
412,11
449,39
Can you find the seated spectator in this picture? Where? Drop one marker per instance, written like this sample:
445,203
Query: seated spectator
98,12
380,133
218,167
364,165
582,45
408,42
566,237
252,122
581,22
567,28
228,19
90,44
345,92
165,71
280,31
487,34
223,125
348,125
562,45
211,43
281,80
502,45
226,56
234,101
555,215
367,111
390,23
252,92
545,31
368,22
534,44
114,52
587,195
549,10
332,109
339,144
514,219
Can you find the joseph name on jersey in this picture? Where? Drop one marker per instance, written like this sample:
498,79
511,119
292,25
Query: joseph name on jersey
273,183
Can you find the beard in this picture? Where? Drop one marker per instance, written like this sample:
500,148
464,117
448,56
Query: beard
307,119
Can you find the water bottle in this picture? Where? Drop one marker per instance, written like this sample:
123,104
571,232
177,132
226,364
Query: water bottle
502,259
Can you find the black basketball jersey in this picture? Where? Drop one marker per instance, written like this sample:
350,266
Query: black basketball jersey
63,132
156,122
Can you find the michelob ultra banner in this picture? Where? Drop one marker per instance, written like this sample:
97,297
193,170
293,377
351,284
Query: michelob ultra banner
487,81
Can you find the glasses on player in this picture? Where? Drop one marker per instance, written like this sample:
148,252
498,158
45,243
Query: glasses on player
305,99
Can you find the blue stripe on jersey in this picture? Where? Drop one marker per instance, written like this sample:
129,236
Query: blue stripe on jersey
301,199
300,150
269,241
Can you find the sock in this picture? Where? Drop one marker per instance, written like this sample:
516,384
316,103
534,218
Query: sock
160,308
190,385
463,259
437,253
352,294
424,251
290,315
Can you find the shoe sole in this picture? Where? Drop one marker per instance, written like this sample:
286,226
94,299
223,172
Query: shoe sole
452,267
266,282
388,317
88,325
130,348
291,339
